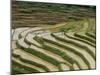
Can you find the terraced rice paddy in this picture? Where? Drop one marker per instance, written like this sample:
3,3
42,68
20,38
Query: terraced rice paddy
41,49
48,39
42,14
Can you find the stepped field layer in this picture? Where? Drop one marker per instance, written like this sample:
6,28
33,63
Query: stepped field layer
67,46
42,14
